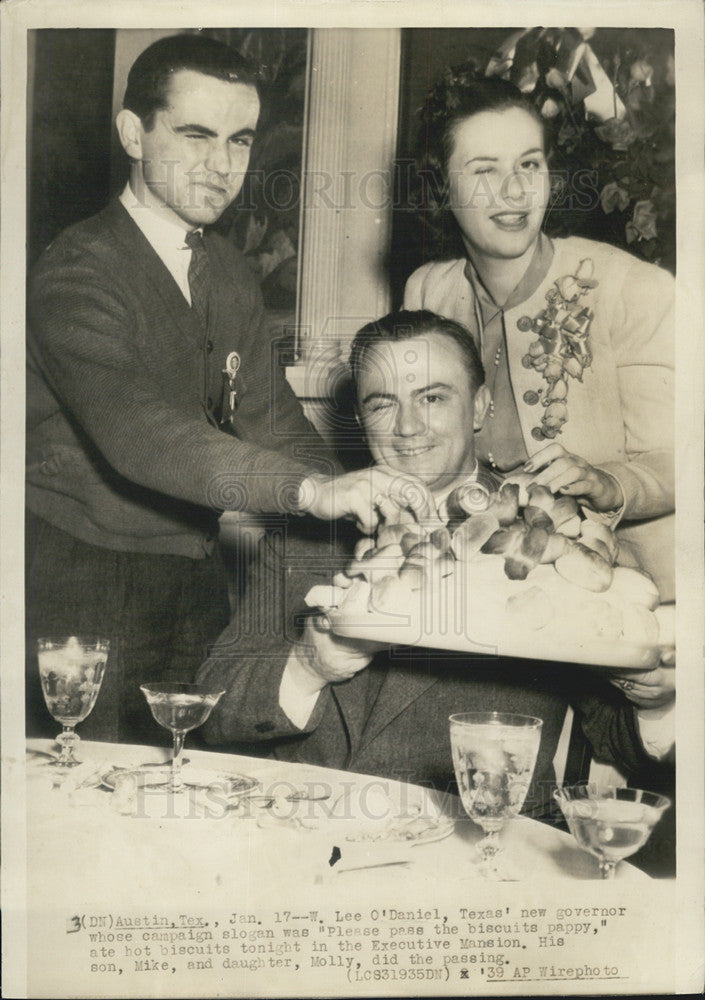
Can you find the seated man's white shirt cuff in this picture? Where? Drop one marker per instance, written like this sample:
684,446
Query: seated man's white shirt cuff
657,730
296,700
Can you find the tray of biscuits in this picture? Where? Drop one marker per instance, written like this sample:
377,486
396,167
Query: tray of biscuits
515,572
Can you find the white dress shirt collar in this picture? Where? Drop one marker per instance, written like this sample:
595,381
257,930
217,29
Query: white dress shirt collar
165,236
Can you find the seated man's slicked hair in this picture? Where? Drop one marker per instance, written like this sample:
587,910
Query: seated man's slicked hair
149,77
408,324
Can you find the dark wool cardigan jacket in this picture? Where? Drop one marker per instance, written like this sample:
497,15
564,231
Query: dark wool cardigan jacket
125,390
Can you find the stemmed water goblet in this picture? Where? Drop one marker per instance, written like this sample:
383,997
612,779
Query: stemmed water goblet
179,707
494,755
71,670
609,822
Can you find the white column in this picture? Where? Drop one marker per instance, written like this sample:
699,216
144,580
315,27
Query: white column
347,195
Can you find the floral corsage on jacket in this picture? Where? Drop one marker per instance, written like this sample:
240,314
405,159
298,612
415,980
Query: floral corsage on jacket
561,350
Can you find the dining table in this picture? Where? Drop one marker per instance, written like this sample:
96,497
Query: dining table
282,830
257,842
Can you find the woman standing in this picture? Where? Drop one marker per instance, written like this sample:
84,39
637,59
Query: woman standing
576,336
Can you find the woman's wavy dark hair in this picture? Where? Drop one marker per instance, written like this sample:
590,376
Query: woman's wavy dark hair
462,92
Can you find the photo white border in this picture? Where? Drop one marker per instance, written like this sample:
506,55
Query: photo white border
686,17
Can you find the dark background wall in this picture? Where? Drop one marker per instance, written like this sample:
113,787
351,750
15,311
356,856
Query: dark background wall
426,52
69,130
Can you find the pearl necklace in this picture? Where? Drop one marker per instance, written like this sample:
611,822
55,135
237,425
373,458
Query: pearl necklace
497,355
496,362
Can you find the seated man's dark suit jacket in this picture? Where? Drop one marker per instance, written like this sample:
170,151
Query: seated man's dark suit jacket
391,719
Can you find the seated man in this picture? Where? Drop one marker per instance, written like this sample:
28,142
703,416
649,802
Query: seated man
299,692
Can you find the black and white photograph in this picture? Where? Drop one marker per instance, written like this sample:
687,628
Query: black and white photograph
352,537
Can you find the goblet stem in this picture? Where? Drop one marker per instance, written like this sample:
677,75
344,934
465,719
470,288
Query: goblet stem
607,868
67,740
489,849
177,783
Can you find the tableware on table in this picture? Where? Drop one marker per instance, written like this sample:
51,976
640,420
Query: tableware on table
305,795
112,776
356,866
228,785
161,764
407,831
125,789
359,845
494,755
179,707
71,670
372,815
609,822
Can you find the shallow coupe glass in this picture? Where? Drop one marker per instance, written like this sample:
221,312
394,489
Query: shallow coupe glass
180,708
494,755
611,823
71,669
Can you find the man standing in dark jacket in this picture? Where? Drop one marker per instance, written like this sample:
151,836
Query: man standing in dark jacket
154,401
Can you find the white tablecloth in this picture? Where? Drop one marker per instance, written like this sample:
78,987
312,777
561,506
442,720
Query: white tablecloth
79,847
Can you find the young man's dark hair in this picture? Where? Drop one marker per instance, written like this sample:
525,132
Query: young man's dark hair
149,77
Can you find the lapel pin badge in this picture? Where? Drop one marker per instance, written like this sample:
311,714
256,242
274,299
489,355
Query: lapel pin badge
232,367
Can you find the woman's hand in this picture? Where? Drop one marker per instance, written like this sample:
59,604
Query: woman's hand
564,473
649,688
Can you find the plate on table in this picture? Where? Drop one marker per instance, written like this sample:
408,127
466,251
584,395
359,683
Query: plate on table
370,817
409,831
230,785
358,846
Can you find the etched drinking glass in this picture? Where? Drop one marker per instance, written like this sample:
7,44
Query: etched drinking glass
494,755
71,669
